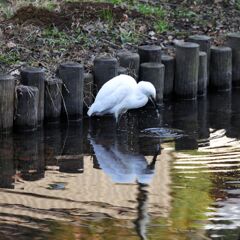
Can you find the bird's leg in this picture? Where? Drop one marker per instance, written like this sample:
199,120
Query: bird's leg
152,164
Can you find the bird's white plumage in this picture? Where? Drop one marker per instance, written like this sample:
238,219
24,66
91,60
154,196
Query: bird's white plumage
120,94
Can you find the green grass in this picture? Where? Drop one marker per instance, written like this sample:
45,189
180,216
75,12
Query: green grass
161,26
10,58
146,9
237,4
106,15
56,38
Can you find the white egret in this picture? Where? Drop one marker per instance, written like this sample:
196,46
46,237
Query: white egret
120,94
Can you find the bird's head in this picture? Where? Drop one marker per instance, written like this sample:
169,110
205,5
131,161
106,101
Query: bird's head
148,89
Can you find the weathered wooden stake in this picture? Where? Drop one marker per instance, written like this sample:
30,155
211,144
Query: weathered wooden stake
186,76
221,69
32,76
104,69
169,63
205,46
88,90
7,88
53,100
72,75
26,115
150,53
233,41
202,74
154,73
130,61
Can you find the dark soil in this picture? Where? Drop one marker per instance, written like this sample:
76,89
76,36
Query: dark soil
87,29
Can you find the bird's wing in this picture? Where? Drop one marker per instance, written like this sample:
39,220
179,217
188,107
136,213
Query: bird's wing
107,102
114,84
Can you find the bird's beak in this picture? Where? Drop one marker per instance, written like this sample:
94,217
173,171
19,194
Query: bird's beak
153,102
155,106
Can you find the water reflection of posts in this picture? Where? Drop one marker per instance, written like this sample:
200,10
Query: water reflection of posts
7,170
203,123
234,130
71,160
53,144
186,118
220,110
148,118
29,154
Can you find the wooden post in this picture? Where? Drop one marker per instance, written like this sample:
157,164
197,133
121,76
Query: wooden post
221,69
169,63
26,115
233,41
72,75
105,68
32,76
205,46
150,53
154,73
187,63
53,100
7,88
122,70
130,61
202,74
88,90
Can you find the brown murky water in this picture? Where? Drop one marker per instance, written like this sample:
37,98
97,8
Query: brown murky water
173,177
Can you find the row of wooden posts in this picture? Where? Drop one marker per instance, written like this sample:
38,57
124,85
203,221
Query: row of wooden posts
195,68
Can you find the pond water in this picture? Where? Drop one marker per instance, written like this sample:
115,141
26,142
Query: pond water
170,177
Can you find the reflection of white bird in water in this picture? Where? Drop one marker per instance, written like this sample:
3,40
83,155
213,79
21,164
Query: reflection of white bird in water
123,166
120,94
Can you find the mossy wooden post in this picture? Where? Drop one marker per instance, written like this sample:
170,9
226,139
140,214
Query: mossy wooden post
154,72
122,70
72,75
7,90
26,115
204,42
104,69
32,76
150,53
233,41
88,90
202,74
169,63
186,76
130,61
53,100
221,69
